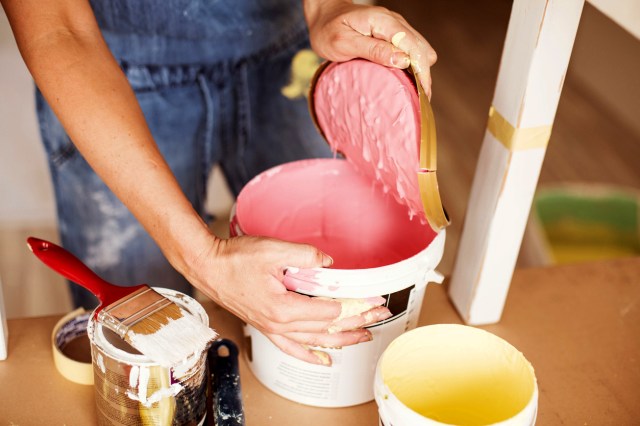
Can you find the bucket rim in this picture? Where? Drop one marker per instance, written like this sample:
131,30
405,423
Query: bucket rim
388,402
356,283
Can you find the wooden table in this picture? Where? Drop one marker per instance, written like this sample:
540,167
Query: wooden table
579,326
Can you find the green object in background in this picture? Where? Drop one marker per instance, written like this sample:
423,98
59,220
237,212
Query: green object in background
583,223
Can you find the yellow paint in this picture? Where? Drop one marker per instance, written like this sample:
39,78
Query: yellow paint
324,357
303,66
458,375
516,139
353,307
349,308
397,38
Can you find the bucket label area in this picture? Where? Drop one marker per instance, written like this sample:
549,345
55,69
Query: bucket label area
398,303
323,386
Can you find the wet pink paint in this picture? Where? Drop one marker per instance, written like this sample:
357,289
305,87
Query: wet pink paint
329,204
296,282
371,113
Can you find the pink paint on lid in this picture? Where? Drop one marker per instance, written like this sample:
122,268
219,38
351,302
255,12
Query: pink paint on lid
371,114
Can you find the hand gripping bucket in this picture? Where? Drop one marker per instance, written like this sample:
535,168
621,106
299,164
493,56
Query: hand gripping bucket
364,211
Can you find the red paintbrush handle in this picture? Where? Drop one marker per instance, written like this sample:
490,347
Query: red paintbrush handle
70,267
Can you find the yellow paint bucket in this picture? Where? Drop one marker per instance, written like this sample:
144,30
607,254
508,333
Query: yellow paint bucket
452,374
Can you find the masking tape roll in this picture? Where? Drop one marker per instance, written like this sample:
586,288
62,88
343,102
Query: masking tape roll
70,327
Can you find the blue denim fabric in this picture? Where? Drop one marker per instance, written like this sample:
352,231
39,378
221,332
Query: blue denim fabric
224,107
169,32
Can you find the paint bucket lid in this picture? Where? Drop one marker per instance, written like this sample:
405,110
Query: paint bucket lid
381,121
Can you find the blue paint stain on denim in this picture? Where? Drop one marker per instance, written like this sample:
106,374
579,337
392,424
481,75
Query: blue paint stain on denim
208,82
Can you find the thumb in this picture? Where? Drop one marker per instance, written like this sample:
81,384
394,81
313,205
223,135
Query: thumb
308,256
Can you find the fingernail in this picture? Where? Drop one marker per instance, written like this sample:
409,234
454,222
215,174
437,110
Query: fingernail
426,85
333,329
323,357
384,315
291,270
326,260
367,337
400,60
376,301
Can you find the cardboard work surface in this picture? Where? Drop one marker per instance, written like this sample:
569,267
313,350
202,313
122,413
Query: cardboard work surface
579,326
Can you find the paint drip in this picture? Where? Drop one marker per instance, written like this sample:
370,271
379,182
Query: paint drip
131,388
371,114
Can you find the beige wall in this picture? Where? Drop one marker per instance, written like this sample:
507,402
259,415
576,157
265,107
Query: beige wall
606,59
25,190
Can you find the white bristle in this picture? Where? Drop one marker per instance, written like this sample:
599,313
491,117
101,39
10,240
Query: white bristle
175,342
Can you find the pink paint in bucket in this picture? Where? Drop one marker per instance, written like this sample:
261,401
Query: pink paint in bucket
377,250
365,212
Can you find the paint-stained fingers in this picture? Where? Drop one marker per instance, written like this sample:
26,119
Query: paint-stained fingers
421,53
291,307
351,323
358,313
429,54
336,340
419,36
380,51
292,312
398,32
300,351
373,28
296,279
353,307
401,35
364,319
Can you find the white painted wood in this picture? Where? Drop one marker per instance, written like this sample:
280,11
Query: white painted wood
513,175
625,13
534,62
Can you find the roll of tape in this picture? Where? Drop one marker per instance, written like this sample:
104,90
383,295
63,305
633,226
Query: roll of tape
69,328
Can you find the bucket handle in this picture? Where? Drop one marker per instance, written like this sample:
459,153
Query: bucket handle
433,276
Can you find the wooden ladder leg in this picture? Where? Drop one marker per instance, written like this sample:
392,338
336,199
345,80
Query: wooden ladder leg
534,62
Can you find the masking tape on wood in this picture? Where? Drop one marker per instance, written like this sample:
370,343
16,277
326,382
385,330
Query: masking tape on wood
515,139
70,327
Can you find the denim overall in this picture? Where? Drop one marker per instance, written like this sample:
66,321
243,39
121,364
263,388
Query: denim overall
208,75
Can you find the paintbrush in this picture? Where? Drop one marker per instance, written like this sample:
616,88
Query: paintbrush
148,321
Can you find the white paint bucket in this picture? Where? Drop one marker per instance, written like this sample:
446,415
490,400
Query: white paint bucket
130,389
453,374
377,250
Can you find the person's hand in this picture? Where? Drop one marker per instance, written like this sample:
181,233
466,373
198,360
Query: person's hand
340,30
244,275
